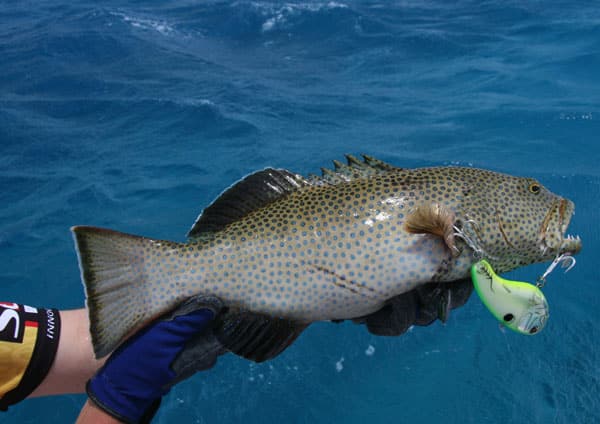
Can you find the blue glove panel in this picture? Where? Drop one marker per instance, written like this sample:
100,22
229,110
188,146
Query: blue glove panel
139,372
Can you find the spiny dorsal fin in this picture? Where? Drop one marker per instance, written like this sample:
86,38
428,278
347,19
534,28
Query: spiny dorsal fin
251,193
355,169
263,187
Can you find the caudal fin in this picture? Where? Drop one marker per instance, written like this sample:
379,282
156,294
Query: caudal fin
117,286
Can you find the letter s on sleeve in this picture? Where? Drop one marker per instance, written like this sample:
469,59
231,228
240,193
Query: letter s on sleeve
10,332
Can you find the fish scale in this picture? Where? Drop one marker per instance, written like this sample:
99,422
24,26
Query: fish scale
282,251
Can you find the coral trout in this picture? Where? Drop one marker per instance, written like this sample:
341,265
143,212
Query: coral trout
282,250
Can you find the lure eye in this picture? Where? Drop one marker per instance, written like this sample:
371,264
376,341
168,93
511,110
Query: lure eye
535,188
533,330
508,317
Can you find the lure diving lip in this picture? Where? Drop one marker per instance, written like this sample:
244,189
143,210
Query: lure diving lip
520,306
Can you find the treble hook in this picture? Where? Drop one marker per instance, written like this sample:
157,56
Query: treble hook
565,260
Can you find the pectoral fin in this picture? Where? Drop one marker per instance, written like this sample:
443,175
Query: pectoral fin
435,219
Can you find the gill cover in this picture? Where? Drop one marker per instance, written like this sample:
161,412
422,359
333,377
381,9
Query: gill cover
520,306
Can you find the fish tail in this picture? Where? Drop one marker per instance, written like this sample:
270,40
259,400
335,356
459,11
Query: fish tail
117,285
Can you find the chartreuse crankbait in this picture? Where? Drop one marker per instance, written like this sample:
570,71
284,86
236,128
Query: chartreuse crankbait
520,306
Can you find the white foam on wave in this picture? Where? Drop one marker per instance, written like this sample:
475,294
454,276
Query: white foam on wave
159,26
196,102
279,15
586,116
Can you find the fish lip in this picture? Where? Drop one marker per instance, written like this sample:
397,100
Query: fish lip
553,233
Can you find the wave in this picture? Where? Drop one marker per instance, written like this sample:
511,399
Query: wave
159,25
120,116
278,17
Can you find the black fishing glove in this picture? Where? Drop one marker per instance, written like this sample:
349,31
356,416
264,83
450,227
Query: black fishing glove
420,306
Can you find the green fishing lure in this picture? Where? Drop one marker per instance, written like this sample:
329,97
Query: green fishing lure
520,306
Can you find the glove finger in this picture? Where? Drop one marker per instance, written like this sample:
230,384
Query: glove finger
186,326
197,302
199,354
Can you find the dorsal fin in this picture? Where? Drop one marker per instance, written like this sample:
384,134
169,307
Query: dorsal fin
251,193
353,170
263,187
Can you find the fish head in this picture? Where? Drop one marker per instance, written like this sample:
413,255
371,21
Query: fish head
516,221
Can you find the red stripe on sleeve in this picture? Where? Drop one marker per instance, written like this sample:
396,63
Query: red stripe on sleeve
31,324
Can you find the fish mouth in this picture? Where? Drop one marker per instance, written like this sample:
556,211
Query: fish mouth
554,239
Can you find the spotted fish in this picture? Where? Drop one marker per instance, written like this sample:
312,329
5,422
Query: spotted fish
282,250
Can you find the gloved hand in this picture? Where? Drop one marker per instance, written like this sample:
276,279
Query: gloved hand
131,383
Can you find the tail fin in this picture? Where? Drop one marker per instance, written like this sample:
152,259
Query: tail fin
119,296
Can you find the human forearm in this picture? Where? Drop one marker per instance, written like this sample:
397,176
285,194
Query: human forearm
74,363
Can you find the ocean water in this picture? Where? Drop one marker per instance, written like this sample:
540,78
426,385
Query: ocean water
136,115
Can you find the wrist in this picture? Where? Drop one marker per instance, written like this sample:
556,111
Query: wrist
91,413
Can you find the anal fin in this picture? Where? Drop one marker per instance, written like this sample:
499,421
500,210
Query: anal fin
256,336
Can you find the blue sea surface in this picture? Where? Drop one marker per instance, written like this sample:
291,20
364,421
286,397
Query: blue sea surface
136,115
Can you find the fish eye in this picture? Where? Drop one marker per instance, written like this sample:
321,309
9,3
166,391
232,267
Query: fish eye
508,317
535,188
533,330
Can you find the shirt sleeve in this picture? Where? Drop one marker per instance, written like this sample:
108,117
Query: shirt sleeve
28,343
